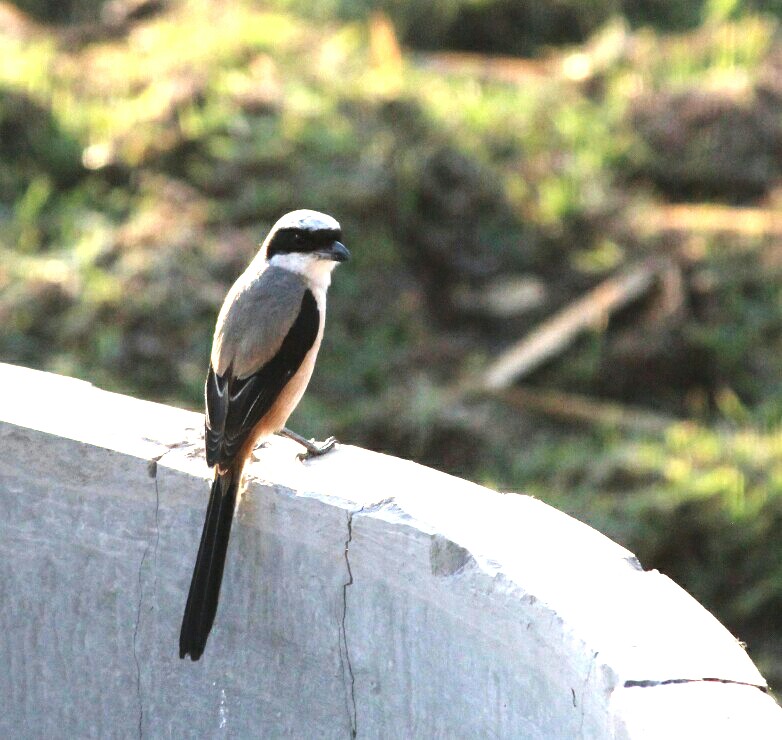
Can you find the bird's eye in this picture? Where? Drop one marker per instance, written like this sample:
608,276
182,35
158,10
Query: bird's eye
298,237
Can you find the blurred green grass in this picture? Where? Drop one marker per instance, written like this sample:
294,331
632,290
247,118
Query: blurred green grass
142,164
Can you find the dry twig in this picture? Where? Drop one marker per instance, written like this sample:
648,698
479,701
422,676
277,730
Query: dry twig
556,334
576,408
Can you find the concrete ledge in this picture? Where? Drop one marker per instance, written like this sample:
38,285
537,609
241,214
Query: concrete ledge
364,595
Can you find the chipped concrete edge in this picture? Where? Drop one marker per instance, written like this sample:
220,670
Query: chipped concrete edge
624,719
448,555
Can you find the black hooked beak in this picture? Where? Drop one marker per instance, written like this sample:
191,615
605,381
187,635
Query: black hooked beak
338,252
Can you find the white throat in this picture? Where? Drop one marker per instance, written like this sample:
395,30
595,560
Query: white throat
316,271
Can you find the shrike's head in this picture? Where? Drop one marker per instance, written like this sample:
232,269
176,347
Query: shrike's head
306,242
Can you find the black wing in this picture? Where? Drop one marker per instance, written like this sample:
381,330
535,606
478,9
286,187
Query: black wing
235,405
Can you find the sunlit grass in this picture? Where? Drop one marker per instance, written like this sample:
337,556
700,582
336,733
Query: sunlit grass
714,54
154,162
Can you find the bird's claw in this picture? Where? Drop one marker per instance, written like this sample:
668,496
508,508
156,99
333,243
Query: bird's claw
316,450
254,454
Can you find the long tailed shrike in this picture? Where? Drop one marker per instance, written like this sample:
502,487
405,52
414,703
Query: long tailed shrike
265,343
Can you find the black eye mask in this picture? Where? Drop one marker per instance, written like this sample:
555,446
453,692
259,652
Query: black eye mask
288,241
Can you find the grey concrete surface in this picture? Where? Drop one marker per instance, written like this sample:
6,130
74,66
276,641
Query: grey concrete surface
364,596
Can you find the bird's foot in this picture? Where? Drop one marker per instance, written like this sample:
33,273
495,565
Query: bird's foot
254,454
316,450
313,449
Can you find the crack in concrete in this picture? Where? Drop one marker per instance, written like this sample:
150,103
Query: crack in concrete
157,529
584,690
343,633
152,470
344,653
135,638
649,683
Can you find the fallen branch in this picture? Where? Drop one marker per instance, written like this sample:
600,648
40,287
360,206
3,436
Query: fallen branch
556,334
571,407
504,69
709,218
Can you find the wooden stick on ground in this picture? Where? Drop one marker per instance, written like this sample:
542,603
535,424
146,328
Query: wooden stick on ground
556,334
553,337
582,409
709,218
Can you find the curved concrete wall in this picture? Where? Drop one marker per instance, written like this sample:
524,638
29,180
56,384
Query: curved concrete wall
364,596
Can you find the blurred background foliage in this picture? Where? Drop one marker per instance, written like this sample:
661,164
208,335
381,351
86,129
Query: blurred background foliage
490,160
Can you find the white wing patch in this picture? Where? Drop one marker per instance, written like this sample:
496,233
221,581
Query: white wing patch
220,392
236,396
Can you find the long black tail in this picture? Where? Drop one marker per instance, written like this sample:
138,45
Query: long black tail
208,572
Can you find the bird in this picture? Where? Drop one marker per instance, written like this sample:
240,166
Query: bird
266,340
